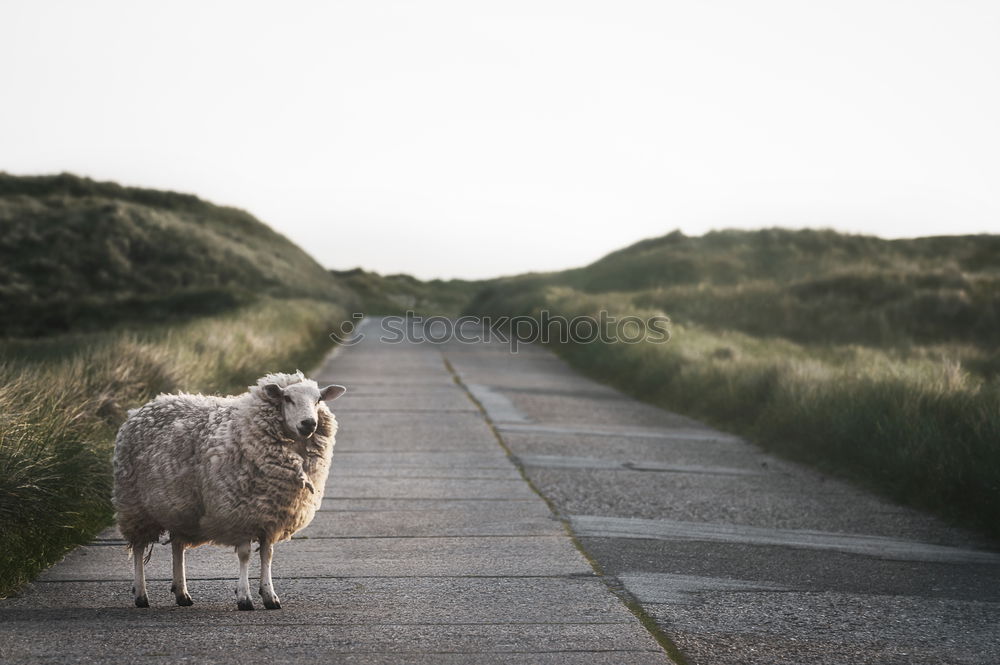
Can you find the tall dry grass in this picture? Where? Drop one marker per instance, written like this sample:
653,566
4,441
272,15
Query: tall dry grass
62,399
913,422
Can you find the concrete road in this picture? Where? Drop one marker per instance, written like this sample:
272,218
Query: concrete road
430,548
488,507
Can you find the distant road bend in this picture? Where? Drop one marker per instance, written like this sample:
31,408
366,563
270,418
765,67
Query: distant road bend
489,507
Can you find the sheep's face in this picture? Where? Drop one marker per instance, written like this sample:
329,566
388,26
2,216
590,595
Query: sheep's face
299,402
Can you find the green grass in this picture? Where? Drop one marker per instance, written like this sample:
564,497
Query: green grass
875,360
62,399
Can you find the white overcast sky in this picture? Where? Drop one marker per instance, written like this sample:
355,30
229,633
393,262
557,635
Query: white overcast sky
473,139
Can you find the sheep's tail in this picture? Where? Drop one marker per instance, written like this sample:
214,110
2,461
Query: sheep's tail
145,553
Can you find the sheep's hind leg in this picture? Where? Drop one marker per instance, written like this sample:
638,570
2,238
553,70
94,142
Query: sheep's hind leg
179,587
243,586
139,581
271,600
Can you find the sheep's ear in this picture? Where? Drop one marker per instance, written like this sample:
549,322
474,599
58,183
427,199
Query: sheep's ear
331,393
273,391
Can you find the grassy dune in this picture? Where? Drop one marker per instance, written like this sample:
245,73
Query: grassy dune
78,255
875,360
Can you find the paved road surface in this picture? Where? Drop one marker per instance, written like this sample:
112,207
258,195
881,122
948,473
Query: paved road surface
434,547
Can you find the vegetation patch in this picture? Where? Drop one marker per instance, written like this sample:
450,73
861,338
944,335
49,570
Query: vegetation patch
63,398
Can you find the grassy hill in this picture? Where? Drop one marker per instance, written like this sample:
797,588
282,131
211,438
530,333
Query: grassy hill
809,286
77,255
874,359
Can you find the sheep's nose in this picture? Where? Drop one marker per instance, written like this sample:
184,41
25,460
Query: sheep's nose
307,427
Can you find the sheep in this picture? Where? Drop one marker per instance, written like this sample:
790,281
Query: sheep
223,470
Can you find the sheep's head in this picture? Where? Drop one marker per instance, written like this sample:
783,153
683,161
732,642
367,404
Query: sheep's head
298,401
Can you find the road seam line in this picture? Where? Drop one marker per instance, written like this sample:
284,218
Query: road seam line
616,588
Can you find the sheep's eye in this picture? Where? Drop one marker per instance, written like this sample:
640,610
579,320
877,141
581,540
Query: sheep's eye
288,399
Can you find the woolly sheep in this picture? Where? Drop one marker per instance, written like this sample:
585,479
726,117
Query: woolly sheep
226,471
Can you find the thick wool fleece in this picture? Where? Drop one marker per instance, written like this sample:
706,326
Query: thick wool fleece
218,469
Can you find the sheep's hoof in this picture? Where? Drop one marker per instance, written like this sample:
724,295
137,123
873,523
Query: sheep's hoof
274,604
184,600
142,601
245,604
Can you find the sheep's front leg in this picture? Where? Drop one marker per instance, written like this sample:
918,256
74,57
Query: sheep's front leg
179,587
139,581
243,586
271,601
